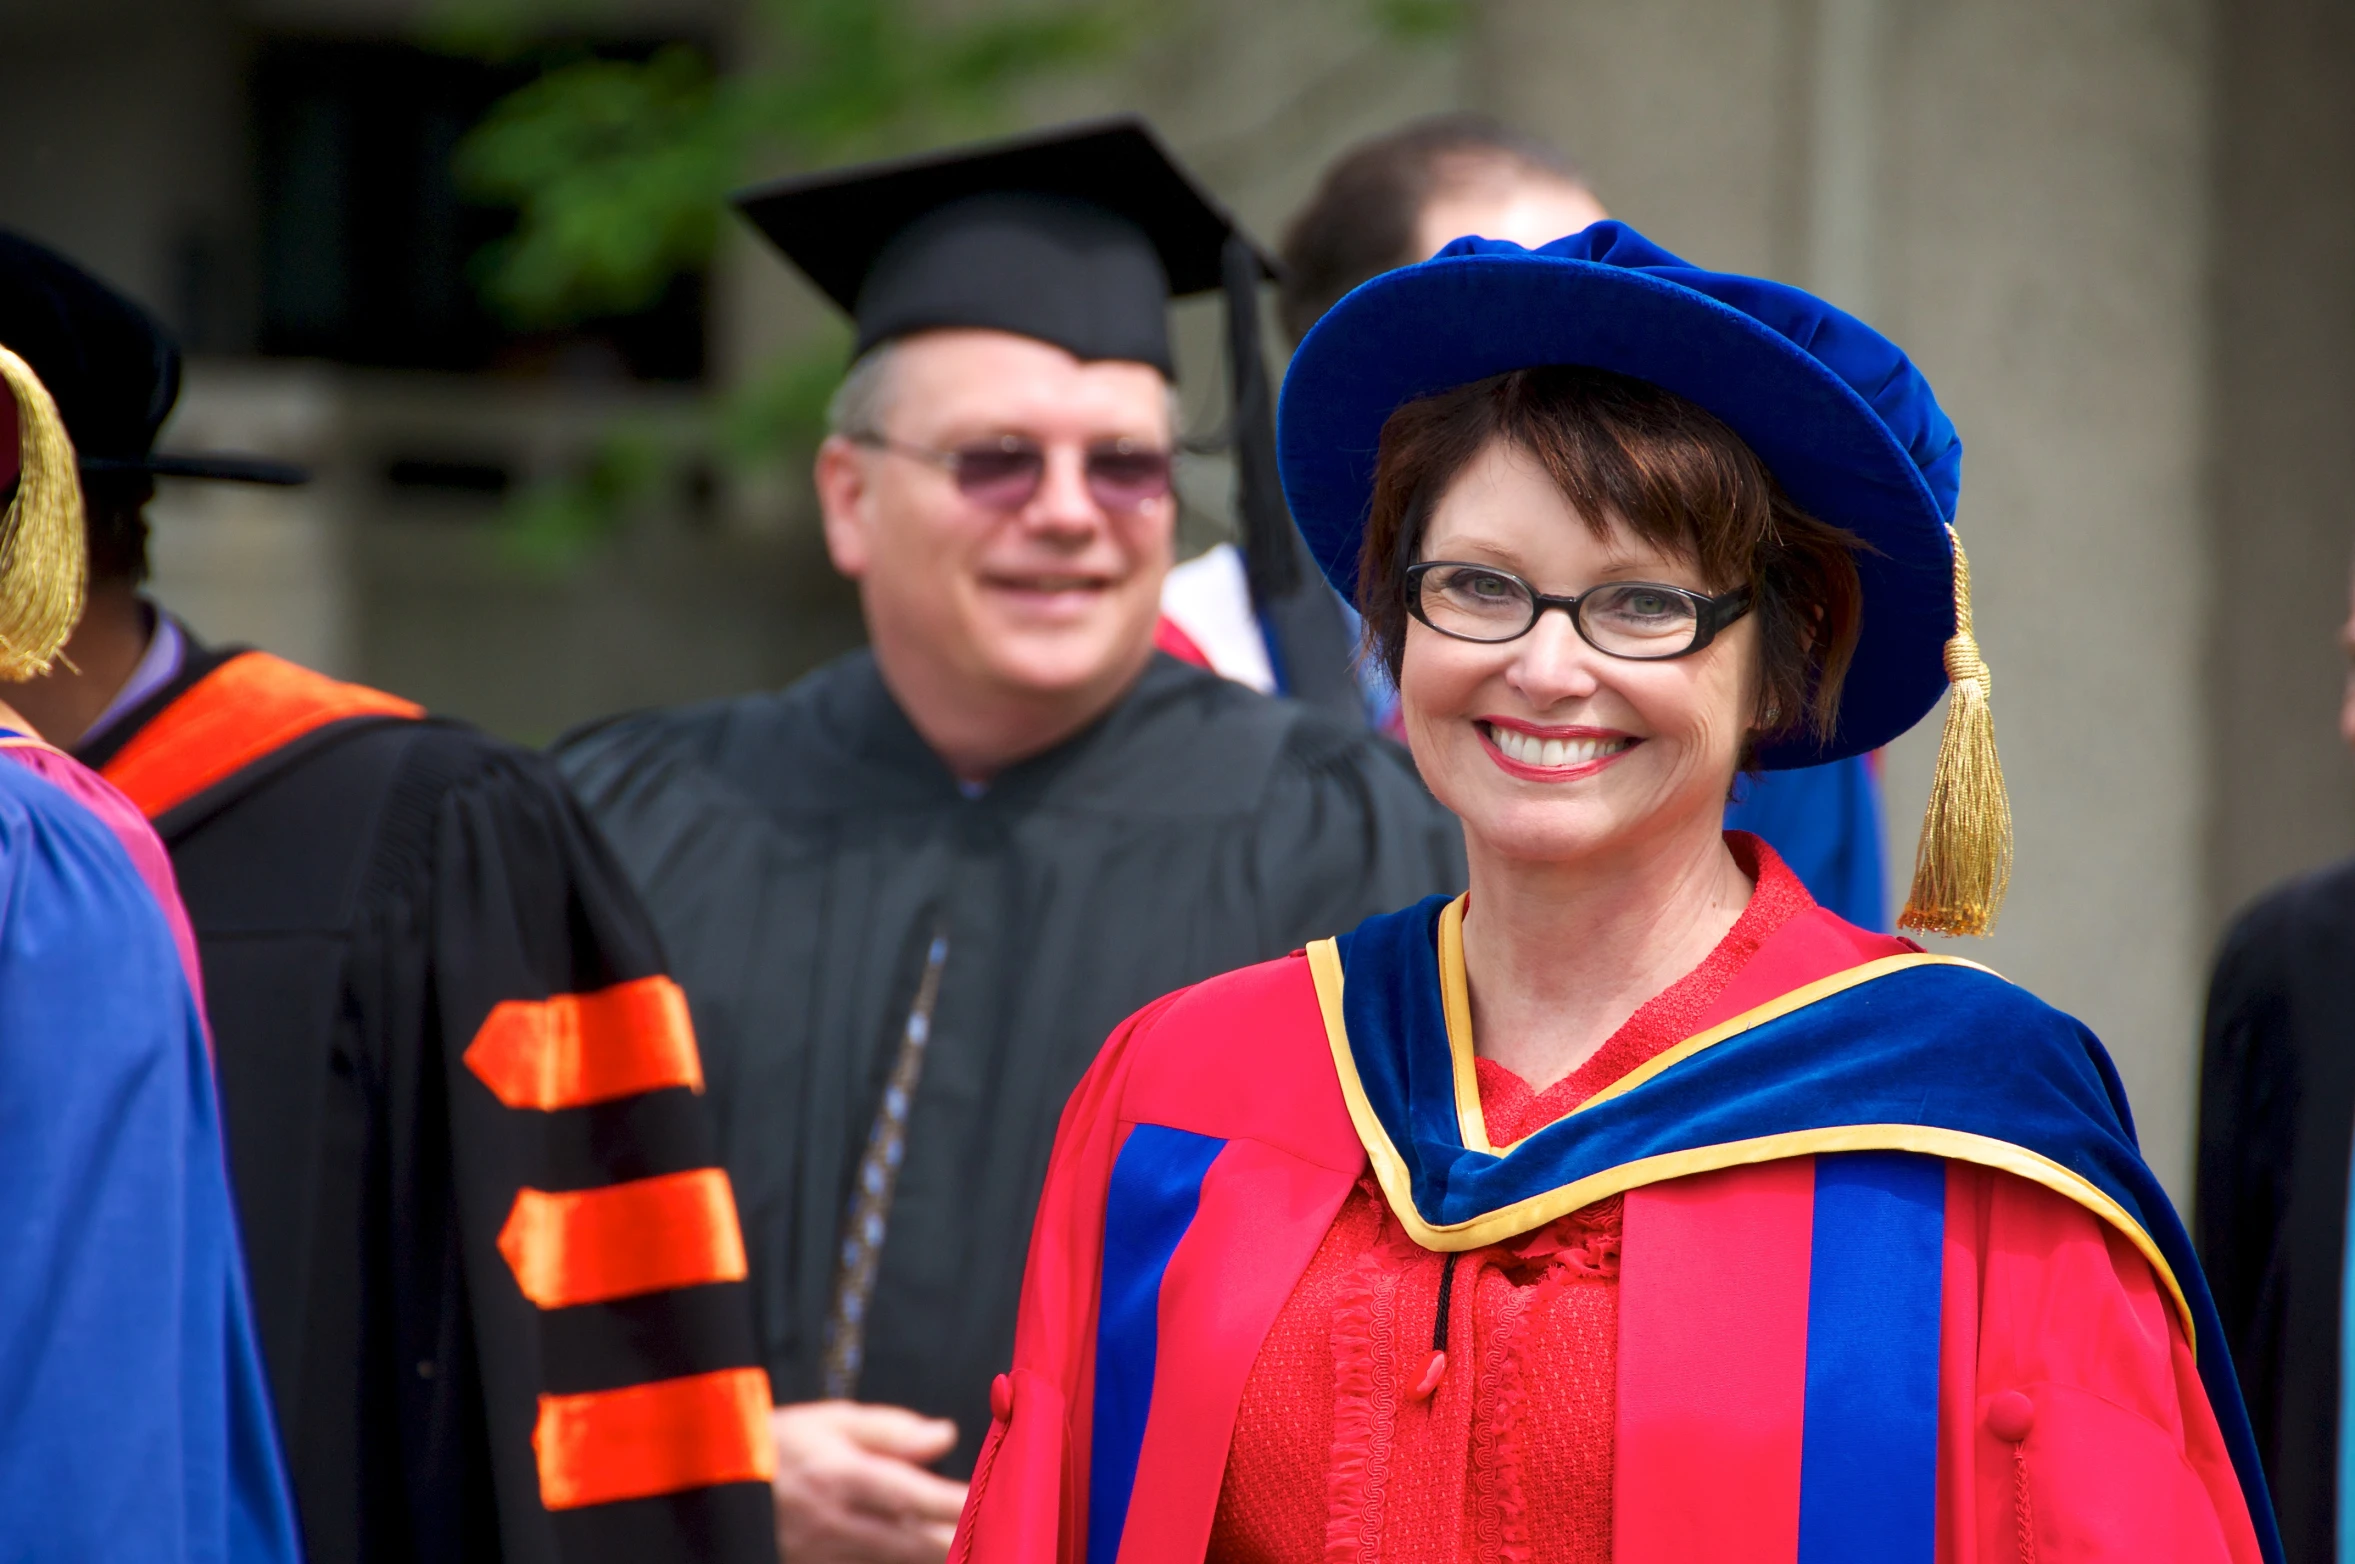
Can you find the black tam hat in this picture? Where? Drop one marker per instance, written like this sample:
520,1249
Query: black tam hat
1078,236
113,371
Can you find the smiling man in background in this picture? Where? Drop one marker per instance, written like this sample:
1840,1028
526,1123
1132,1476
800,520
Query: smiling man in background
910,895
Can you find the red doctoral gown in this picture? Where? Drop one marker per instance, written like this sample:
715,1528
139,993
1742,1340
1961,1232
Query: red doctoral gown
1891,1325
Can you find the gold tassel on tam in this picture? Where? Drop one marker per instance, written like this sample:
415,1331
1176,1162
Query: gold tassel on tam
1964,862
42,552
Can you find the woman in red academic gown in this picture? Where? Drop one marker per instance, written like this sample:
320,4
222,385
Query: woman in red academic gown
1632,1207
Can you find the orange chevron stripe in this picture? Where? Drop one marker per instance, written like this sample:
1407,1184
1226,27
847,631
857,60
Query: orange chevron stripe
648,1235
645,1440
251,706
571,1050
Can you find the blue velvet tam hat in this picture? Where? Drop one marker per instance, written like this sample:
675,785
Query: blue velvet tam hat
1833,408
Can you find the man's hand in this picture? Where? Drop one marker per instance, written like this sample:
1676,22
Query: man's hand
851,1486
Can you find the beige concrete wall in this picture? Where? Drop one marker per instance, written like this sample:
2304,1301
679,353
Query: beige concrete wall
1689,115
2031,226
2282,482
2045,242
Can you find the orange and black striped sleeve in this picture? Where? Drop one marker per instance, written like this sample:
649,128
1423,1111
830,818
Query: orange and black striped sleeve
626,1405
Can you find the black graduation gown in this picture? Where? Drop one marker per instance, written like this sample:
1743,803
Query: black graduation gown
2277,1122
362,897
800,850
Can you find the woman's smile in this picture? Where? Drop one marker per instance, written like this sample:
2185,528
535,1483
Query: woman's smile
1541,754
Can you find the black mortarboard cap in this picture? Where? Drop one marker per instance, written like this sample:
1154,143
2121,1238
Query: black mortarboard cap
1079,236
113,371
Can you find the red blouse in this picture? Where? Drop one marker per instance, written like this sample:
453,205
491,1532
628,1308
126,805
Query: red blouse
1509,1455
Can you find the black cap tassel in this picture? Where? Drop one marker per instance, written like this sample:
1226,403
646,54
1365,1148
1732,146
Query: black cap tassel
1269,561
1310,639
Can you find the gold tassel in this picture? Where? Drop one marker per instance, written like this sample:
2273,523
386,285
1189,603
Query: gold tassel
42,553
1964,862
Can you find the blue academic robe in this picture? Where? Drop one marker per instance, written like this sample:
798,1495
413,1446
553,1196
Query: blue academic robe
1825,821
134,1422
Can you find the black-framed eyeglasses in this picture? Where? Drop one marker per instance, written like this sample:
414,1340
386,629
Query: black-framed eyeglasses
1644,621
1003,473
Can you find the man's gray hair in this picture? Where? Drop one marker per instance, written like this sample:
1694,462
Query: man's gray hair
864,397
863,400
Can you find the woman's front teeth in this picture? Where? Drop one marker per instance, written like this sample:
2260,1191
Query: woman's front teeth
1531,750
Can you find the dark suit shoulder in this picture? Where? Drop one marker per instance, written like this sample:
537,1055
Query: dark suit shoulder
2321,899
2282,933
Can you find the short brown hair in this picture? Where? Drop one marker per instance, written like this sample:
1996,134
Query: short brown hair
1623,449
1361,221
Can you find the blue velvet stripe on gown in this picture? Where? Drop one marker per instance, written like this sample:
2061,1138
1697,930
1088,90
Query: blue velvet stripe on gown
1156,1189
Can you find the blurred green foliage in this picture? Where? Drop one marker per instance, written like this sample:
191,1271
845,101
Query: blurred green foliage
551,524
1412,21
619,169
614,170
